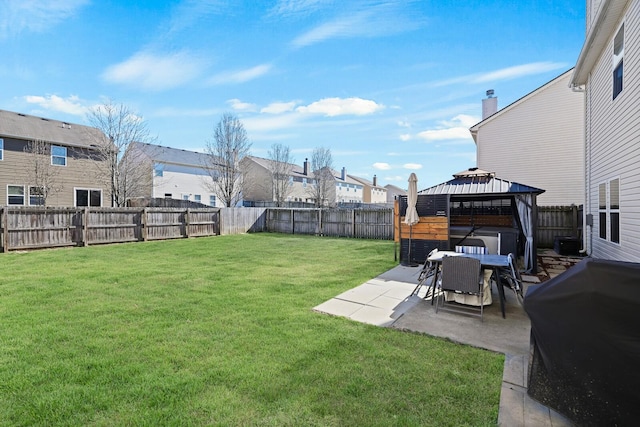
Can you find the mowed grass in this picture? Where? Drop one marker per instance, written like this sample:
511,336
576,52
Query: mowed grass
221,331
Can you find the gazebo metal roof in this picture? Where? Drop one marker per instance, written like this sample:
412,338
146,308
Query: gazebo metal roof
475,182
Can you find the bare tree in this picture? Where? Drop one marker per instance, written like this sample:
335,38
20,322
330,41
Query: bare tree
43,173
122,170
227,148
322,167
280,165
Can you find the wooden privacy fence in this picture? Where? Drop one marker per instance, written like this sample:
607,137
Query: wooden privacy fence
359,223
555,221
32,228
37,227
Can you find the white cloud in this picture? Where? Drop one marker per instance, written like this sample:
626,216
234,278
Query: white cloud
396,178
412,166
240,76
35,15
404,123
155,72
508,73
285,8
456,128
382,166
270,123
362,20
238,105
405,137
518,71
70,105
332,107
279,107
187,13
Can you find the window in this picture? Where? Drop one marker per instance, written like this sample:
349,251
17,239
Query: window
212,200
15,195
618,56
197,198
304,182
185,197
158,169
58,155
168,195
86,197
609,210
1,148
36,196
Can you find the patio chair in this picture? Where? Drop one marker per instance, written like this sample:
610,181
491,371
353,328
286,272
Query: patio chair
428,270
463,275
511,277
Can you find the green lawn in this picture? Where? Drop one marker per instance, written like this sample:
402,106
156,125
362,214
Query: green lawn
221,331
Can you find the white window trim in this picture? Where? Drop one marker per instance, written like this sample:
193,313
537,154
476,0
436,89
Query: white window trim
608,210
29,195
1,149
617,59
75,200
66,155
23,195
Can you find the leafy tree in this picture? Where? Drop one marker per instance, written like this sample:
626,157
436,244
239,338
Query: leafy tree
324,181
281,165
126,173
227,148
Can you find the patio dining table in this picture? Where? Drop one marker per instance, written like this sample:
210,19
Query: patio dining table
496,263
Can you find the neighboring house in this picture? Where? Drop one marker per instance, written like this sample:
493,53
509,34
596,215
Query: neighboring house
371,191
393,192
258,183
176,173
612,134
73,162
538,139
347,189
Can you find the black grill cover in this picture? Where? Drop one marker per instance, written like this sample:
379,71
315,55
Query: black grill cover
585,343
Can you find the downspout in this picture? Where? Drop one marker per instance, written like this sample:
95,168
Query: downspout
585,246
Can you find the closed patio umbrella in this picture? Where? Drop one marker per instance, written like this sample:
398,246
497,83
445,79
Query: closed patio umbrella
411,217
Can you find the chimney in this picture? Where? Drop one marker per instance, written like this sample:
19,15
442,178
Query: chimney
343,176
306,166
489,105
375,181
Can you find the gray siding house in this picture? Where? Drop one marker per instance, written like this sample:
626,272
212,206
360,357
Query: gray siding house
608,70
68,150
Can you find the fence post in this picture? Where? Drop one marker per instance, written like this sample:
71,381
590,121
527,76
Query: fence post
143,224
320,231
293,223
353,223
5,230
186,223
85,227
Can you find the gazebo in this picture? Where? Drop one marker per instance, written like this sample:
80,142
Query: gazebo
475,208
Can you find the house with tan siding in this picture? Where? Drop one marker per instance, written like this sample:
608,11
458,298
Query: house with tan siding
67,150
608,71
258,183
371,191
538,139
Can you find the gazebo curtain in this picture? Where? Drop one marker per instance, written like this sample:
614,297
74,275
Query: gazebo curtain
524,202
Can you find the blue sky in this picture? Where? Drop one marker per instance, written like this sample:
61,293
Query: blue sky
391,87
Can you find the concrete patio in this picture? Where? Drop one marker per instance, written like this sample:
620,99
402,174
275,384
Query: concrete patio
386,301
